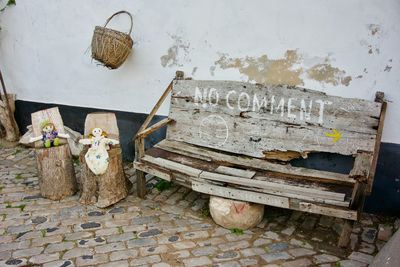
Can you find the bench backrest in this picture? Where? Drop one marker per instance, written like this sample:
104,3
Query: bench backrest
259,121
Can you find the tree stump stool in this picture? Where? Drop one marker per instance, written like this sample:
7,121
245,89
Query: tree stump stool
232,214
56,172
105,189
55,166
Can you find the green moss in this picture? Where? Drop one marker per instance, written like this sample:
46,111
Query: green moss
43,232
205,211
120,230
18,176
163,185
237,231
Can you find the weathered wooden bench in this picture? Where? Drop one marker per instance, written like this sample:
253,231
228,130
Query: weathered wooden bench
235,140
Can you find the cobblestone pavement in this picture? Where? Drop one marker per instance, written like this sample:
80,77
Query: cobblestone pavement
169,228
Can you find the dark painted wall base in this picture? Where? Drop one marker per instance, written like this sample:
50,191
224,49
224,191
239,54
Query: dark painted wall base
385,198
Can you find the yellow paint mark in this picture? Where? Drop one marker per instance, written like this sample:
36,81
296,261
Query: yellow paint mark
335,135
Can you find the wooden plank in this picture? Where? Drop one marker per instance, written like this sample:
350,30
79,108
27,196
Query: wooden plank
235,172
197,152
51,115
230,97
277,188
361,167
172,165
311,198
107,121
328,211
236,194
377,148
154,127
151,170
217,121
255,137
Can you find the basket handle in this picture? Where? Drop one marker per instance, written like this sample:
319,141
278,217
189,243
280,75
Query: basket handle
120,12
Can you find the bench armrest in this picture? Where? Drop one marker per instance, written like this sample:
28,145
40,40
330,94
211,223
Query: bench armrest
144,133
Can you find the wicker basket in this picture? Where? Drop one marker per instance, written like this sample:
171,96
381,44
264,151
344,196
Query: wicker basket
111,47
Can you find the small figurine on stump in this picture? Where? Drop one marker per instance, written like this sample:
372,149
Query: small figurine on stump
103,179
53,156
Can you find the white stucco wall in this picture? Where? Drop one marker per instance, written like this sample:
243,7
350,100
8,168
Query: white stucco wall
45,58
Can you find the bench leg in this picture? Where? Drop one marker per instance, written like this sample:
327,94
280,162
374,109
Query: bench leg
344,237
141,184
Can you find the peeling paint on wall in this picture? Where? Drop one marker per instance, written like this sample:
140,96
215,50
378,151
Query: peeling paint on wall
325,73
264,70
374,28
179,50
286,70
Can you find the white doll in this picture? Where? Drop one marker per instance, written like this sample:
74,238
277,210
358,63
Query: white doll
50,136
97,156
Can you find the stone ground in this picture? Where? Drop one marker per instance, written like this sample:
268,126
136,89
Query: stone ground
169,228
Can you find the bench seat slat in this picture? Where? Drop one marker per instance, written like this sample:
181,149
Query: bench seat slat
194,173
294,204
277,187
235,172
211,155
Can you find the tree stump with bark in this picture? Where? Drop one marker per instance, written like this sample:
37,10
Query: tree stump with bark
105,189
55,166
56,172
7,120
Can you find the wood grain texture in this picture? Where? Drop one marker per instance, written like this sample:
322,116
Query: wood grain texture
7,119
56,172
235,172
243,161
231,193
107,121
53,116
106,189
361,167
244,126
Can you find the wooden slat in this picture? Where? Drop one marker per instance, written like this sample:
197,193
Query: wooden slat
154,127
275,187
235,172
172,165
153,171
236,194
310,198
254,137
377,148
222,123
210,155
328,211
156,107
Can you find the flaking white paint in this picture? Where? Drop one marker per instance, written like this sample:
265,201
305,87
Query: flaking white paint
44,47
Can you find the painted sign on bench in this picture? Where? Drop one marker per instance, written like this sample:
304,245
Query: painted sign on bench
254,120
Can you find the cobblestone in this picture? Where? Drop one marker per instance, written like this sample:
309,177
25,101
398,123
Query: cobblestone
166,229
